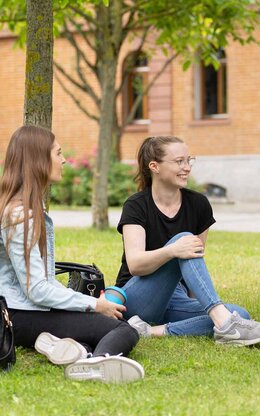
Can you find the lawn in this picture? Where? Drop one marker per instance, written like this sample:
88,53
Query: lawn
184,376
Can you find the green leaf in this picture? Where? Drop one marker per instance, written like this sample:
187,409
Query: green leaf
186,65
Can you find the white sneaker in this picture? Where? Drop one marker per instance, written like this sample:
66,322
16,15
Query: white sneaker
142,327
59,351
109,369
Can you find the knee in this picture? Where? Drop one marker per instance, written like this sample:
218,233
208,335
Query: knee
183,234
242,311
129,332
178,236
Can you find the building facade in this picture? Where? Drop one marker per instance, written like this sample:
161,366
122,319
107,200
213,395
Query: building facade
216,112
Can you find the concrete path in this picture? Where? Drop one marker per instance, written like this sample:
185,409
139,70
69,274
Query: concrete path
229,217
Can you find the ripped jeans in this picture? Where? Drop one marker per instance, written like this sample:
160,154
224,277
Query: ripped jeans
160,298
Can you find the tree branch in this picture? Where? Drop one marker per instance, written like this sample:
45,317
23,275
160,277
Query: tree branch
142,22
132,8
69,36
86,16
76,100
83,33
83,87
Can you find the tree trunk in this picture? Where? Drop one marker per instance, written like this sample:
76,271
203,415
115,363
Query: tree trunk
100,178
39,60
108,46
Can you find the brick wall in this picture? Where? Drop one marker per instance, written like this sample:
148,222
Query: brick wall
170,103
76,133
12,90
240,132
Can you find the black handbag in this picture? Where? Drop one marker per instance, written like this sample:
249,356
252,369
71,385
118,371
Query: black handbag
84,278
7,349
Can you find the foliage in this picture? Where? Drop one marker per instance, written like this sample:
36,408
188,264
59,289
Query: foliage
75,187
194,185
120,183
200,28
183,376
187,25
13,15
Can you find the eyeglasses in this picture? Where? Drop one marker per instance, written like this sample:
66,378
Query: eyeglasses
181,162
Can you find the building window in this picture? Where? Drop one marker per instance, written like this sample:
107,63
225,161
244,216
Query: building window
211,90
135,83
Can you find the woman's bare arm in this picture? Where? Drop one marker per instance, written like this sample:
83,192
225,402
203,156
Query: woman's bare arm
141,262
203,236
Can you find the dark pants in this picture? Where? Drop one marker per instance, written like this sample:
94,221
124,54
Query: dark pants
98,333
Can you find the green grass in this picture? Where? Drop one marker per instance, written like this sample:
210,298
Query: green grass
184,376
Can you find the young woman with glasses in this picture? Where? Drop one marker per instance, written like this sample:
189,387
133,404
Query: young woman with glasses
164,228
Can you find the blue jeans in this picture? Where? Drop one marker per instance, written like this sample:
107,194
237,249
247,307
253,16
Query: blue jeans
159,298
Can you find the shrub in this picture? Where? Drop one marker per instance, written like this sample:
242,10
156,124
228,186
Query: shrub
75,187
192,184
120,183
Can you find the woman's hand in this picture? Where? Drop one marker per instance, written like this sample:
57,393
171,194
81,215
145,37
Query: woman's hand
188,247
111,309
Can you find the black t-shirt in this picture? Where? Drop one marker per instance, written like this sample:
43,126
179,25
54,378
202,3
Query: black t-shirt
195,215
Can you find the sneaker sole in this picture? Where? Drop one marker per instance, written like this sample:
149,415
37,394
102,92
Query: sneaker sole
238,342
64,351
106,370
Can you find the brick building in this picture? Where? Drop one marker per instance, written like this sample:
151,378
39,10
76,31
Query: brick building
216,113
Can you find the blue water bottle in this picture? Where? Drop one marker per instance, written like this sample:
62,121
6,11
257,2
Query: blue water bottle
115,294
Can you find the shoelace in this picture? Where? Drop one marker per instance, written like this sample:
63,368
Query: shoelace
117,355
246,322
250,323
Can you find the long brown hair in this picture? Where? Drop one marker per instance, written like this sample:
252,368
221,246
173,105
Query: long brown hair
152,148
26,173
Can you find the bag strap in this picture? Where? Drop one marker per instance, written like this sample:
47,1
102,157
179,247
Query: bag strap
3,304
65,267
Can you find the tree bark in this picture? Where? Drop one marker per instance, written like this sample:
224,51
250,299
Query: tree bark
108,46
100,177
39,63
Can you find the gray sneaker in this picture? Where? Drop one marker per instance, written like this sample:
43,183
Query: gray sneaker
240,332
142,327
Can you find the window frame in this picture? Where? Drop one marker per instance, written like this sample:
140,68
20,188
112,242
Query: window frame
129,93
200,91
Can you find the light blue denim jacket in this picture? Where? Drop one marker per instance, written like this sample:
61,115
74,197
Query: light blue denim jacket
43,294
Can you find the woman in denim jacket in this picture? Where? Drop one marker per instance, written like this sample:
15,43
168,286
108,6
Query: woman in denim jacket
43,311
